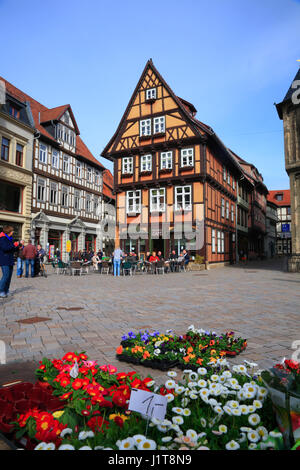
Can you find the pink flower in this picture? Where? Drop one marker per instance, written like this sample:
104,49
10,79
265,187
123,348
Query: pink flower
90,363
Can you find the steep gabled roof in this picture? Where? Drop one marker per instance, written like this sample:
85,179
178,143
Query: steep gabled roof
286,197
41,113
108,184
55,114
187,109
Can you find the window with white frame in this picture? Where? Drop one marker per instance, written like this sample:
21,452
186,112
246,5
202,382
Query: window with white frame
213,240
59,131
159,125
96,201
89,174
43,153
227,210
145,127
41,190
222,242
219,244
151,94
146,162
66,164
222,207
53,193
97,178
127,165
233,183
232,213
78,169
133,201
224,173
88,203
64,196
183,198
77,199
187,157
228,177
166,160
55,158
157,200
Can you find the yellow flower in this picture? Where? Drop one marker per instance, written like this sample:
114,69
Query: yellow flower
113,416
58,414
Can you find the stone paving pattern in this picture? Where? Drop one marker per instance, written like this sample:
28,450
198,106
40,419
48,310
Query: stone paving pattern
259,302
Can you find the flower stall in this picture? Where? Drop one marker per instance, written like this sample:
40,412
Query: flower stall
77,404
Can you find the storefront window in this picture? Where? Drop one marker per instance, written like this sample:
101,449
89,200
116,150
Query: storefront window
10,197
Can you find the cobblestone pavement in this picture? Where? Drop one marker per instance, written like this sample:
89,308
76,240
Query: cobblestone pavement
90,313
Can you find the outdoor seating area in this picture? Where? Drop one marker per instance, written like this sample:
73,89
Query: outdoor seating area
79,268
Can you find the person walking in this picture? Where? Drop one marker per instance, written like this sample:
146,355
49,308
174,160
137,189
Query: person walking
7,250
30,253
20,259
117,255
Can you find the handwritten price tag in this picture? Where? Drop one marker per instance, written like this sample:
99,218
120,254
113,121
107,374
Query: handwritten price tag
148,403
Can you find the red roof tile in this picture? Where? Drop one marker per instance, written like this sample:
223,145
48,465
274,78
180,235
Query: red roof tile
108,184
286,197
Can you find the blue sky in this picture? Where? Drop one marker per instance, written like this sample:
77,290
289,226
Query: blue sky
232,59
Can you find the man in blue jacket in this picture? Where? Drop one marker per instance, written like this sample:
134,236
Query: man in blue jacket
7,249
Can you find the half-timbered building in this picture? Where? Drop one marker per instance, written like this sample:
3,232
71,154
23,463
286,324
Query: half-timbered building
67,188
171,171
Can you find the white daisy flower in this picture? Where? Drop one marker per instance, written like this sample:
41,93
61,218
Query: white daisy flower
169,397
170,384
201,383
167,439
218,410
202,371
236,412
186,412
179,389
203,422
66,447
85,448
193,376
244,409
204,392
275,434
242,438
162,428
147,444
232,445
233,404
257,404
172,373
65,432
85,435
138,438
193,396
192,434
223,428
98,448
246,429
177,410
192,385
253,436
227,374
41,446
254,419
185,402
127,444
177,420
227,410
262,391
251,408
214,378
262,432
252,446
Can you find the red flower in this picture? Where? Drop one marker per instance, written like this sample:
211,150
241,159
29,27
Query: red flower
119,399
97,423
64,381
77,384
119,421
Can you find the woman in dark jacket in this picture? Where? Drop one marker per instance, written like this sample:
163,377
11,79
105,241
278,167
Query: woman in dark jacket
7,249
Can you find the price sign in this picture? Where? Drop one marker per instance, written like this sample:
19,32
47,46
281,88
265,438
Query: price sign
148,403
68,246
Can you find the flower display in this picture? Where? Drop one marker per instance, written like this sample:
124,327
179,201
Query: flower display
210,409
194,349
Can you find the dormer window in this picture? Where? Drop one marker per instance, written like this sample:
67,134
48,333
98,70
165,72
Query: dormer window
279,197
151,94
13,111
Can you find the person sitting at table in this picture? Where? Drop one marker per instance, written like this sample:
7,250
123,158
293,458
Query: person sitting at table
186,258
153,258
172,258
160,256
96,261
148,255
